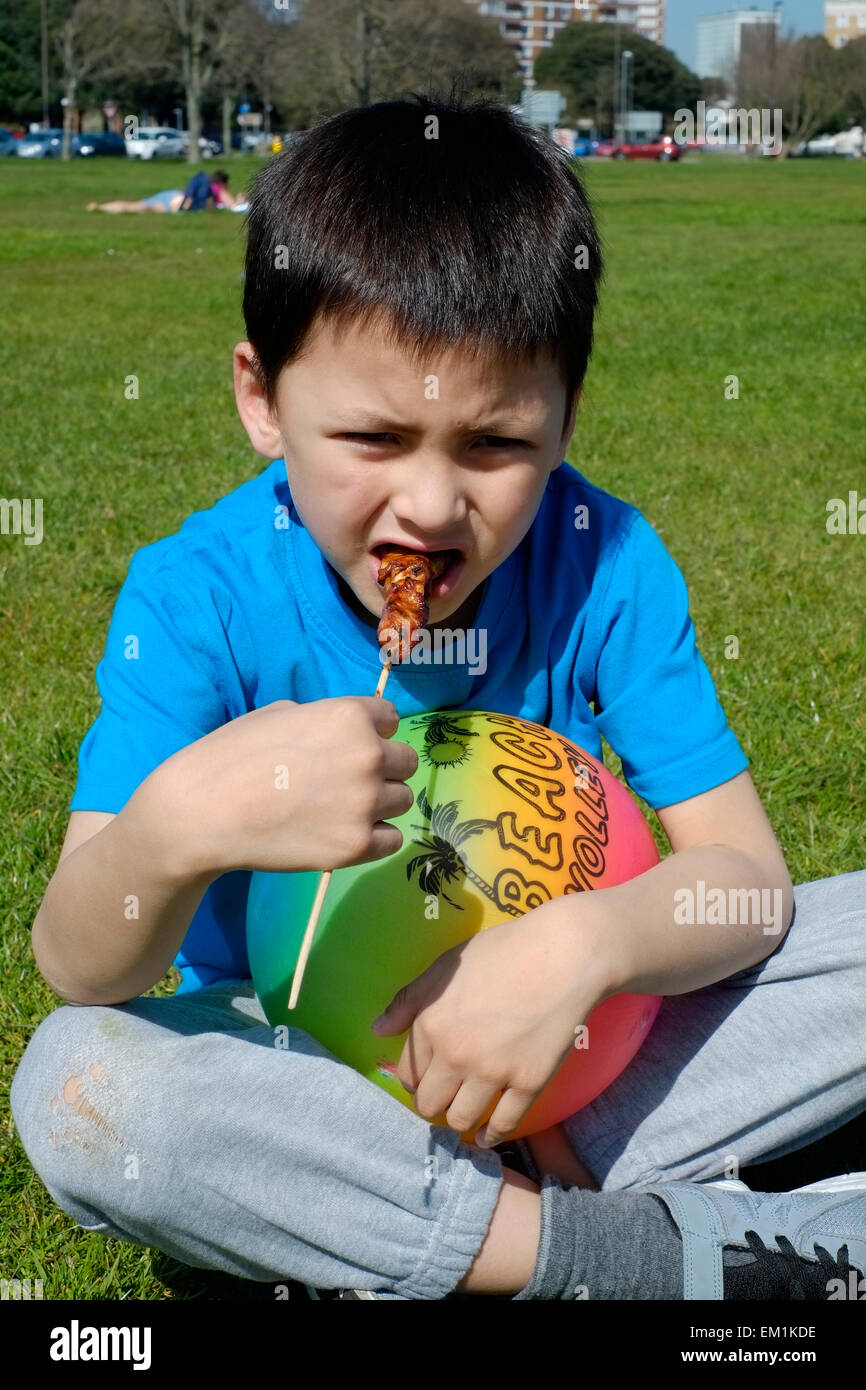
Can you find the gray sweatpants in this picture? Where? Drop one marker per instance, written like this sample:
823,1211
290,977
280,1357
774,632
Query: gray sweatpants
178,1123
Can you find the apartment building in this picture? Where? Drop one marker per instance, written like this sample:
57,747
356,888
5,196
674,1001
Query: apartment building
844,22
647,17
532,25
722,37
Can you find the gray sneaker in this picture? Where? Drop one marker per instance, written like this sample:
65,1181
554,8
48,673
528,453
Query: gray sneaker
806,1244
322,1294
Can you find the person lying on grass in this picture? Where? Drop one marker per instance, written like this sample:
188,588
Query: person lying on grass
202,191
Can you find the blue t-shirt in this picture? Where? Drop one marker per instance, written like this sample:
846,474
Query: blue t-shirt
198,190
241,608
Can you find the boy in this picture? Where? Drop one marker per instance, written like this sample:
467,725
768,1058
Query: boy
421,279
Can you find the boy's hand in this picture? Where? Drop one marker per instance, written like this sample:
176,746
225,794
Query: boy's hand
498,1013
292,787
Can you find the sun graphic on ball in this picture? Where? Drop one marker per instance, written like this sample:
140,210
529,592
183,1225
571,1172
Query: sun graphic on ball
446,743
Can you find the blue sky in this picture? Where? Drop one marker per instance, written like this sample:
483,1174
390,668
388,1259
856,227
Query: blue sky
681,20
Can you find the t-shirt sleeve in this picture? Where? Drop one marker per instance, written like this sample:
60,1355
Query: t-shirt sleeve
159,688
656,703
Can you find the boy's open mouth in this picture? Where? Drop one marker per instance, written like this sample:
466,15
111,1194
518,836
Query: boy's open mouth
446,581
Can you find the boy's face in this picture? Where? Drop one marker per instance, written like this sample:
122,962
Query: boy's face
454,453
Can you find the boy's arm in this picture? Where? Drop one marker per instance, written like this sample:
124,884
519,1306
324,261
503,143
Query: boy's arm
119,903
646,664
658,932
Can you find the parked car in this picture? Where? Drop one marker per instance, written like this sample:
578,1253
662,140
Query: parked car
214,142
255,141
584,147
8,143
605,148
40,144
103,142
848,143
208,145
211,141
156,142
821,144
851,144
663,148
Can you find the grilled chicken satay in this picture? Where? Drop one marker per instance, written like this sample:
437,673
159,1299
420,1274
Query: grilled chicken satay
407,577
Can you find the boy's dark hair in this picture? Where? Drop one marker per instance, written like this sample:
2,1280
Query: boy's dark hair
471,238
220,176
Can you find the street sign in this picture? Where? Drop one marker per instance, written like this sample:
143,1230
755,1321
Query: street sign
643,122
543,107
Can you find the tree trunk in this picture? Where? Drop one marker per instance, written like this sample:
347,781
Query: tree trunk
193,119
68,114
193,82
228,107
364,53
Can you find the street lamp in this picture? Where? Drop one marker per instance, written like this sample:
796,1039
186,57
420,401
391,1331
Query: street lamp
616,79
624,92
43,24
777,8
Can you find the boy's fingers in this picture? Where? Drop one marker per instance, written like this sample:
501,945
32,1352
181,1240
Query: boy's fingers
384,713
508,1114
401,762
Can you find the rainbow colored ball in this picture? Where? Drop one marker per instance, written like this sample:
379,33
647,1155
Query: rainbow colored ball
507,815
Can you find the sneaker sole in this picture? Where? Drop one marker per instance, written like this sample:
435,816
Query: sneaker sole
330,1295
845,1182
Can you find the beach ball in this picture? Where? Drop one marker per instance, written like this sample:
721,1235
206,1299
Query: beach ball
507,815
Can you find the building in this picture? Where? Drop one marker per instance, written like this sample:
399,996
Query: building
647,17
842,23
530,26
722,37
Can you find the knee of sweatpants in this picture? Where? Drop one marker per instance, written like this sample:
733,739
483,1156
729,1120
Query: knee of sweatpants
61,1100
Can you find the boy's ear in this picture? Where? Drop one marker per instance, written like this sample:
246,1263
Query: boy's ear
260,424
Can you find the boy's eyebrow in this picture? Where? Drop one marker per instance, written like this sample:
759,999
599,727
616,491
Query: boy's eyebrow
377,423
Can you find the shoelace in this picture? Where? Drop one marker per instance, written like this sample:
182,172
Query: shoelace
803,1278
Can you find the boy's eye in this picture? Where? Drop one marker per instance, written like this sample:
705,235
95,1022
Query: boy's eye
495,440
368,438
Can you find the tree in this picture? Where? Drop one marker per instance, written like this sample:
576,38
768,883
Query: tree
243,55
804,77
89,43
193,41
852,61
714,90
581,62
353,52
21,56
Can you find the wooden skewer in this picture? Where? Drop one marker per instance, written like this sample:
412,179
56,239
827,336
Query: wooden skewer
318,901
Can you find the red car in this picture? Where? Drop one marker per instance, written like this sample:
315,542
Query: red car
663,148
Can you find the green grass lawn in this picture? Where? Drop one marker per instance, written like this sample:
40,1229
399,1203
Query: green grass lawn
714,269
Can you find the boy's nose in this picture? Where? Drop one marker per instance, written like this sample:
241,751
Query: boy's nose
429,497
